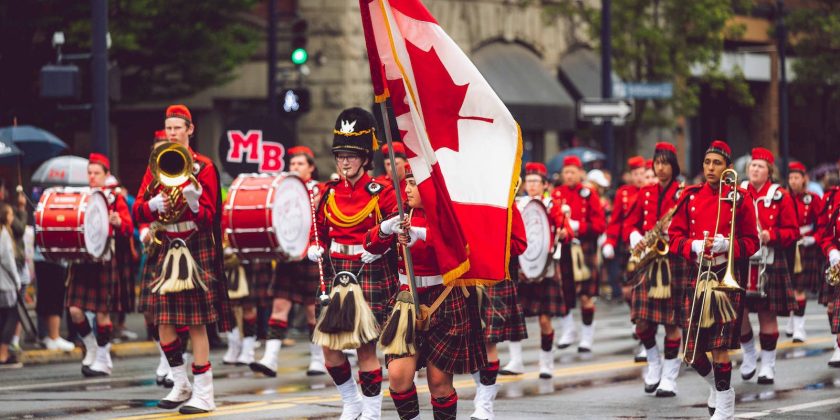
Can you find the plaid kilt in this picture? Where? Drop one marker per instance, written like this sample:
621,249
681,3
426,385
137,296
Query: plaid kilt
451,343
503,317
195,306
834,315
544,297
378,282
297,282
147,275
779,288
126,267
827,292
720,335
661,311
94,287
259,276
571,288
812,274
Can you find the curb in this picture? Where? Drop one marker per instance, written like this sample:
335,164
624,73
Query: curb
118,350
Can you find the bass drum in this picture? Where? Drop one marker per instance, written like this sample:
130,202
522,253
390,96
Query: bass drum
268,216
535,263
71,224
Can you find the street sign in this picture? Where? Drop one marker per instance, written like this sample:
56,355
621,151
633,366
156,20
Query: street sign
599,110
660,90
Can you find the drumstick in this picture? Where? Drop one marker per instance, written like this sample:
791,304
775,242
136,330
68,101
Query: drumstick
324,297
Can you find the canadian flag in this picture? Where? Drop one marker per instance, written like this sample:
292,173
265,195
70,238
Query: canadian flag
463,144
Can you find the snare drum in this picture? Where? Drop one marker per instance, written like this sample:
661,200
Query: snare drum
268,216
71,224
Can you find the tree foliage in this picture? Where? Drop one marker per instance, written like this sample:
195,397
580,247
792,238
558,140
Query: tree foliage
164,49
663,41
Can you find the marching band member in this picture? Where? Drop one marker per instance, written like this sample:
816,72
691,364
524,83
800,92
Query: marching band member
503,320
294,282
828,237
258,276
650,173
450,345
772,295
541,297
348,208
657,298
401,159
808,207
193,238
693,236
95,286
588,222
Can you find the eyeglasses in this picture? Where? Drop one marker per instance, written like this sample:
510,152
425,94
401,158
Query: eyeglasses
348,158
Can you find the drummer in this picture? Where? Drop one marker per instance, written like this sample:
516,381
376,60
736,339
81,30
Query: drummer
93,286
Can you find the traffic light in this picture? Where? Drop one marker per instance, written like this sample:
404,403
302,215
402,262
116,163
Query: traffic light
299,54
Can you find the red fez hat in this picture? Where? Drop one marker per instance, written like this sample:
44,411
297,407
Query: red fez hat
796,167
301,150
160,135
100,159
665,147
399,150
636,162
408,173
720,147
572,160
649,164
763,154
536,168
179,111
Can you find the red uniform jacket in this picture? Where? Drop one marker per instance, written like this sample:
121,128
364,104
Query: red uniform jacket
698,215
625,198
585,208
207,203
828,230
808,208
651,205
117,203
422,255
350,226
777,216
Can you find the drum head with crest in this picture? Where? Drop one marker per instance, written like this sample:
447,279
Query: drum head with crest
291,216
96,225
534,261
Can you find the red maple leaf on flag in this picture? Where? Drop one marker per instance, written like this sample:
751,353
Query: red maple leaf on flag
439,96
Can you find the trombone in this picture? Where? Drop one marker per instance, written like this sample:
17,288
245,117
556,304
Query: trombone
714,290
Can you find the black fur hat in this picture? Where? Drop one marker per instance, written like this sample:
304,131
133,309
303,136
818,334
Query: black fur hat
355,132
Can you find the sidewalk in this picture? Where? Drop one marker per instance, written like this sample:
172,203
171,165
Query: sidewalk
118,350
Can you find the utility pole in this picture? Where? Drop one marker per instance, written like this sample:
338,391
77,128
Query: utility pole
99,65
608,142
272,58
784,142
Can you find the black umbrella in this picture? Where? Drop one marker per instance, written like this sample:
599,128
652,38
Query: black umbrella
36,144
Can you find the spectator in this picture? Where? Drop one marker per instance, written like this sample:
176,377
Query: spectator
9,286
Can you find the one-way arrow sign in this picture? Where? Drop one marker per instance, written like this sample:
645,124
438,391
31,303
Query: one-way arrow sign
600,110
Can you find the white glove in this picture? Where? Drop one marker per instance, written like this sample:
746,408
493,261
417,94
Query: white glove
635,238
390,226
574,224
834,257
156,204
314,253
368,258
609,251
697,246
416,233
804,230
808,241
720,244
143,233
191,194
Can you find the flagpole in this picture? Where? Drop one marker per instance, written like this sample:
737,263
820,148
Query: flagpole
409,265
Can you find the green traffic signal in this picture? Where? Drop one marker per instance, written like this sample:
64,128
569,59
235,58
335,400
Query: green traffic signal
299,56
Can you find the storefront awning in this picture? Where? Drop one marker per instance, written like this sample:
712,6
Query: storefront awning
532,94
580,73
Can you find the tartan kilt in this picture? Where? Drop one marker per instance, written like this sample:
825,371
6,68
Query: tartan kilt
451,343
297,282
544,297
779,288
834,315
812,274
147,275
195,306
571,288
125,285
661,311
827,292
259,276
502,313
720,335
378,283
94,287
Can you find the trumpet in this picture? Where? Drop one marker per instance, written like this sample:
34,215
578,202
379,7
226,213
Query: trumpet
171,165
713,296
